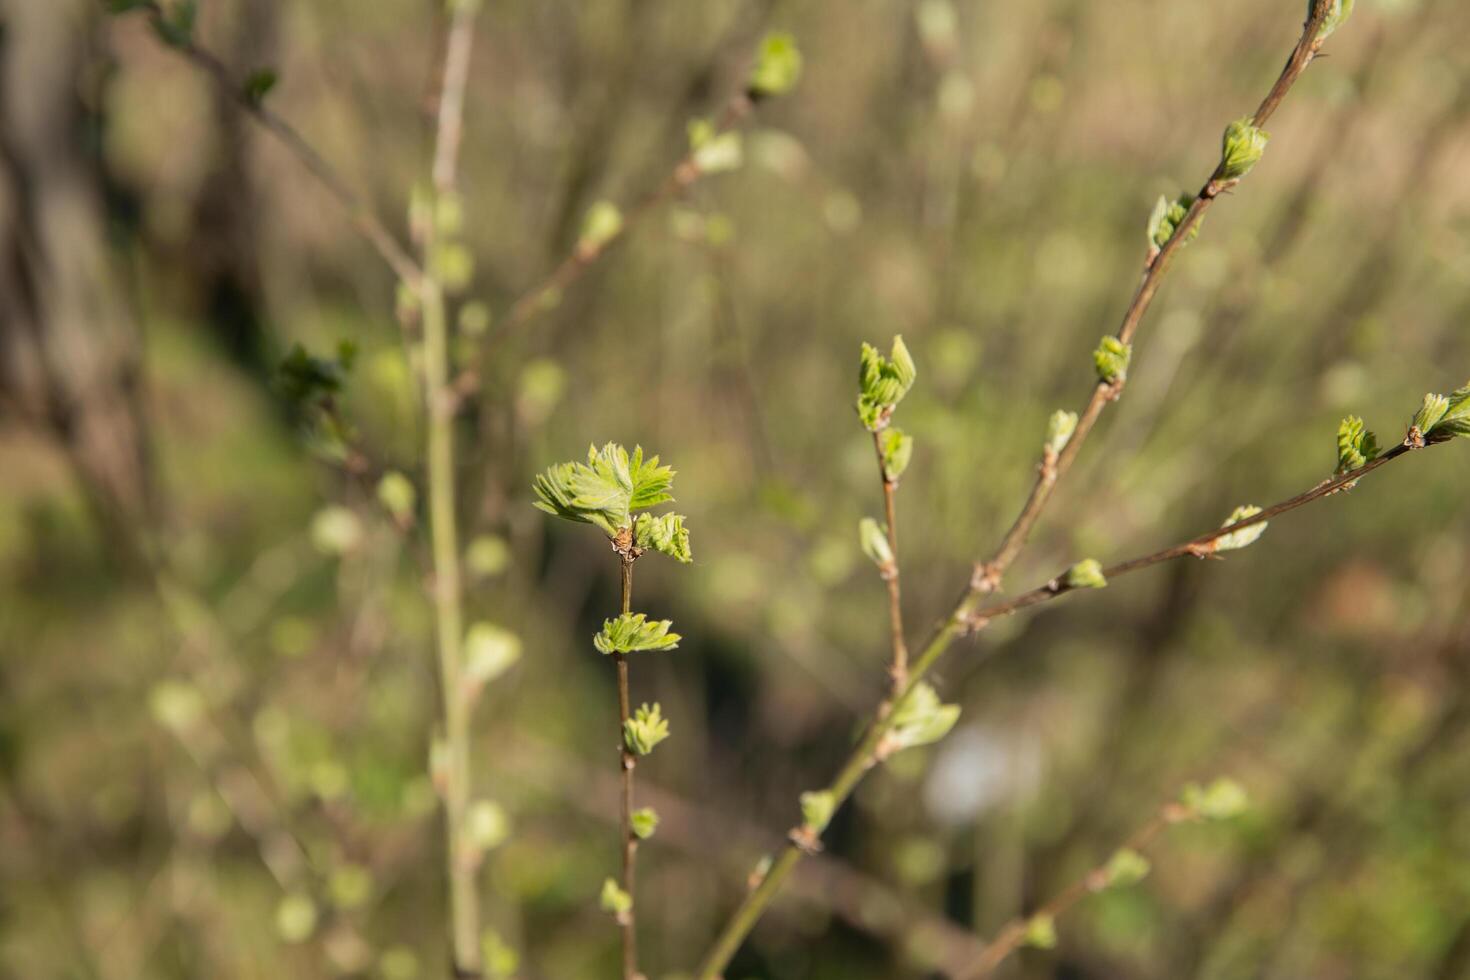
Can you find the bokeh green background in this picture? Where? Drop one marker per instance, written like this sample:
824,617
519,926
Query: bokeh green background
221,771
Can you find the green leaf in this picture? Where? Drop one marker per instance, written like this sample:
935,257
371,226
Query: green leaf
645,729
665,534
1356,446
614,900
1337,15
1126,867
777,65
897,447
1246,536
874,542
1241,148
883,382
1166,218
635,632
1059,429
259,85
817,808
1445,416
921,720
1111,359
1220,800
645,822
1041,932
1086,574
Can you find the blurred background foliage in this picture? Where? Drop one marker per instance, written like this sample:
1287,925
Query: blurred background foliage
219,770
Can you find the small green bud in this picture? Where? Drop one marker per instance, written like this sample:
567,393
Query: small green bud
335,530
1111,359
883,382
499,957
777,65
1041,932
1086,574
1220,800
487,825
665,534
1126,867
613,900
489,651
448,213
452,264
176,705
1338,13
635,632
816,810
603,223
1246,535
396,494
1059,429
645,822
487,556
645,729
1444,416
1242,147
259,85
874,541
474,318
897,447
350,886
1356,446
1429,414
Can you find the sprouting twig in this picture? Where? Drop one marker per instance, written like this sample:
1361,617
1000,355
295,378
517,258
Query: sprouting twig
898,669
626,762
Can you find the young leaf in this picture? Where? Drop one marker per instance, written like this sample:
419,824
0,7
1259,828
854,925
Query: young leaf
874,543
1445,416
1059,429
921,720
816,810
1086,574
714,152
1337,15
613,900
634,632
1126,867
1041,932
645,729
1242,147
603,223
883,382
898,448
1167,216
1111,359
604,490
396,494
645,822
1356,446
1236,540
777,66
1220,800
665,534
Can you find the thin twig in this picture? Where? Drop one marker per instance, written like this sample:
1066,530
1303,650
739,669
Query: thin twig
361,216
626,762
898,669
439,403
1013,935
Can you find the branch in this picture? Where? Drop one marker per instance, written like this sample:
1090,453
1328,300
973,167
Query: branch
626,761
363,221
899,669
988,574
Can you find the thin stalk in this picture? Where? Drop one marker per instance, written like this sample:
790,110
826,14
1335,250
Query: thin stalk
958,623
898,669
1013,934
440,406
626,762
